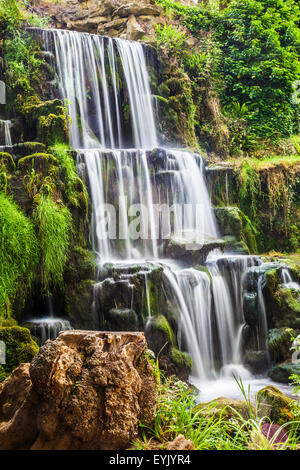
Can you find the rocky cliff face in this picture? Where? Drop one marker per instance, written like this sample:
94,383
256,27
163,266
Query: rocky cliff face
43,405
114,18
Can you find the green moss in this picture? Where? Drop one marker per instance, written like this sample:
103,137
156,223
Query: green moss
34,108
41,162
274,404
233,222
19,346
52,129
7,162
280,342
161,323
75,190
28,148
181,359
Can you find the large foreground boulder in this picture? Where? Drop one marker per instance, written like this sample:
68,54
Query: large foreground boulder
85,390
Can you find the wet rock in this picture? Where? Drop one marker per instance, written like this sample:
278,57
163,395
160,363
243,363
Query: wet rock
273,404
123,319
233,222
282,372
256,361
161,340
280,342
88,390
190,249
180,443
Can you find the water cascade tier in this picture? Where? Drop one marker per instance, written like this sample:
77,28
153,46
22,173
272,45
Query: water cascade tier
5,135
152,222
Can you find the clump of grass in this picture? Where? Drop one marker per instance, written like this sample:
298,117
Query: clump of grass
211,427
18,253
54,233
73,184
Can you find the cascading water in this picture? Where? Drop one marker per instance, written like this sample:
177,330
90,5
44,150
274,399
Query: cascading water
5,135
102,79
91,70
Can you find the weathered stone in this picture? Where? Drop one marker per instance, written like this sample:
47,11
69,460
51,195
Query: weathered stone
180,443
137,9
134,30
88,390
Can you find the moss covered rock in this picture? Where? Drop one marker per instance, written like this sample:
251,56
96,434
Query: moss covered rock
232,221
19,346
283,303
122,319
33,107
52,129
282,372
161,340
272,403
42,162
225,408
28,148
7,162
280,342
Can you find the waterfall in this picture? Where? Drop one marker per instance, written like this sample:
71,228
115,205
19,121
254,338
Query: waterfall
106,86
5,135
91,73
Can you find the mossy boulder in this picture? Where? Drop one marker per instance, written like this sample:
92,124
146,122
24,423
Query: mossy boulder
161,340
181,358
19,347
272,403
41,162
225,408
7,162
282,303
280,342
282,372
33,107
159,334
232,221
28,148
52,129
256,361
121,319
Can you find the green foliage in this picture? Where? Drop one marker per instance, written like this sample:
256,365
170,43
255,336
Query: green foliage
75,190
20,48
169,37
23,63
260,44
256,64
18,253
54,232
19,346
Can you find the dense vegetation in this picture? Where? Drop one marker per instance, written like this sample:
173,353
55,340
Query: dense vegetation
250,50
